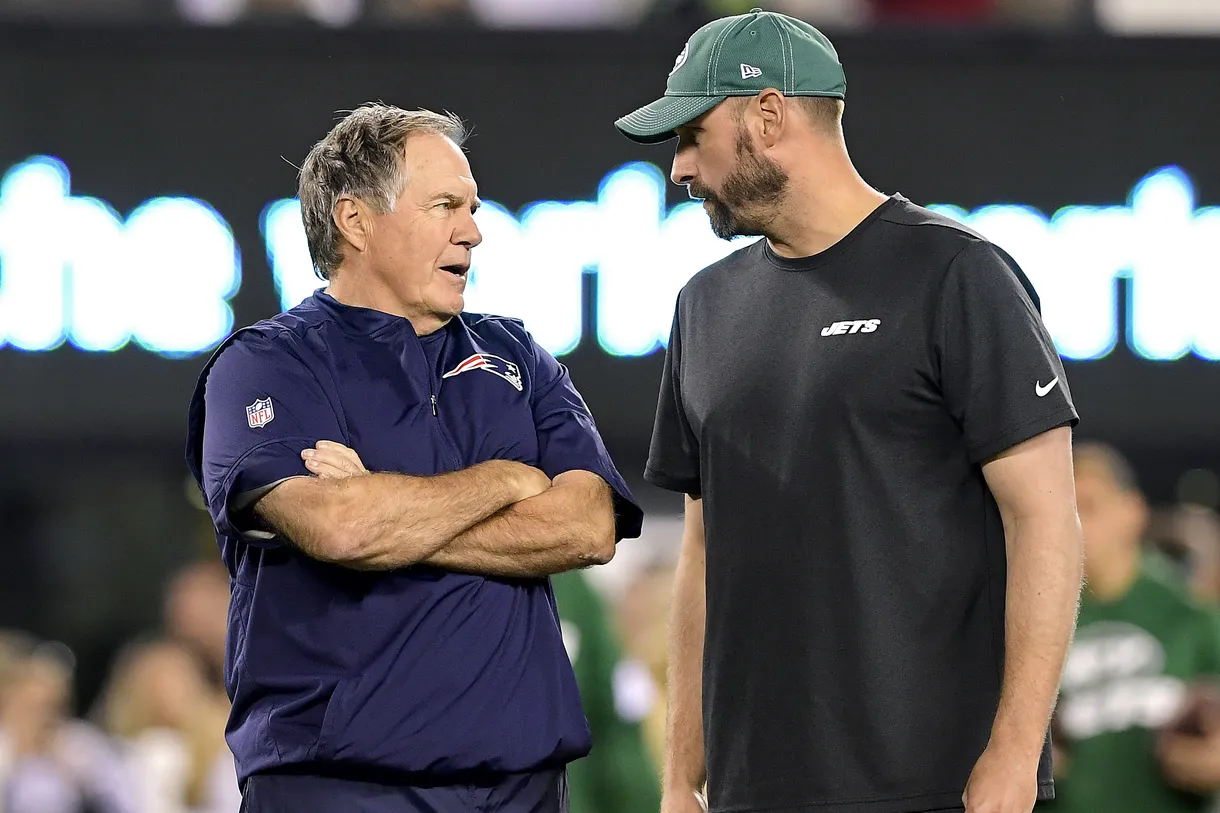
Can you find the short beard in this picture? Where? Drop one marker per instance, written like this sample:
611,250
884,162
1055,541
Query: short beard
751,194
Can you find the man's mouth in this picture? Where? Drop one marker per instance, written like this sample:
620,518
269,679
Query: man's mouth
457,269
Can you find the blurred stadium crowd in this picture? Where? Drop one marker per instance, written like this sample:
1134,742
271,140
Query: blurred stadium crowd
151,739
1116,16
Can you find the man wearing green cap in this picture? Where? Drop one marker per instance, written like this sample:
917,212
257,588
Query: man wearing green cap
871,422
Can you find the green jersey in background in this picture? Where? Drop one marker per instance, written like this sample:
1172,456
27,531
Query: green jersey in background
618,776
1127,672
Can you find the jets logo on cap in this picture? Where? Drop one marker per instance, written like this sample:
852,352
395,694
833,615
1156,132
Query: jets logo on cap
749,71
681,60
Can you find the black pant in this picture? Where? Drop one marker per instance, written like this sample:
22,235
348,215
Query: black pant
541,792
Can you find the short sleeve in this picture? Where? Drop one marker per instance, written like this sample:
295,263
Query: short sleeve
568,439
263,406
673,456
999,371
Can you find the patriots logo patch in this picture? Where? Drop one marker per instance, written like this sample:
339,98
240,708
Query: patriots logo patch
495,365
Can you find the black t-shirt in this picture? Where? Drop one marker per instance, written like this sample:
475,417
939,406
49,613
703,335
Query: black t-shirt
834,412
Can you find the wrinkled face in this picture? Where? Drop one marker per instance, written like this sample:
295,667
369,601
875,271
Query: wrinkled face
1111,518
718,161
421,249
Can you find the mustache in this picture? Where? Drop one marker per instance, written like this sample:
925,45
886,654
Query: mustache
700,192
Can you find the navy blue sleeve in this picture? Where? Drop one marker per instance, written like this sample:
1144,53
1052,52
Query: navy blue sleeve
263,406
568,439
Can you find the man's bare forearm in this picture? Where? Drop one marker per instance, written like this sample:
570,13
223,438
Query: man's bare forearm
569,526
1044,578
386,521
685,764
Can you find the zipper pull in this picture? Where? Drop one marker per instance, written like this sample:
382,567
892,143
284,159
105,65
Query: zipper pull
434,406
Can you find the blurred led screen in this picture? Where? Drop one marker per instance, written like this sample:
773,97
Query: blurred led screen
147,204
73,270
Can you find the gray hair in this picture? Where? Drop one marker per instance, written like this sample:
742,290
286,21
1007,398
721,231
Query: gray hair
362,157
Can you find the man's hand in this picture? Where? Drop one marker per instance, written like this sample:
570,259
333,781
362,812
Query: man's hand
533,482
1002,782
332,460
1190,763
1188,749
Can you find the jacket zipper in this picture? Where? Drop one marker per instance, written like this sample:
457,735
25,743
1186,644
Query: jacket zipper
440,426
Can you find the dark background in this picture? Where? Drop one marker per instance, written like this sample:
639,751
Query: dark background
218,115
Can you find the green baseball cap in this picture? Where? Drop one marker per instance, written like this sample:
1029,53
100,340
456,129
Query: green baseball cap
741,55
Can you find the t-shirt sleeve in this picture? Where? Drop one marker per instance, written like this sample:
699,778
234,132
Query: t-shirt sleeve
263,406
673,456
568,439
999,371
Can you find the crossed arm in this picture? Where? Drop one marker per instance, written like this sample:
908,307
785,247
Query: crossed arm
499,518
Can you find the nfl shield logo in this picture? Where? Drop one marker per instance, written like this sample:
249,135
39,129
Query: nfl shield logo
260,413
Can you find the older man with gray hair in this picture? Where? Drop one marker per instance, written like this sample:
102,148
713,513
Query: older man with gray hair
392,481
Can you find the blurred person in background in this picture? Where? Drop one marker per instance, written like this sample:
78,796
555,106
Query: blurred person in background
169,723
1045,13
69,11
1138,724
49,762
925,12
833,13
881,563
1041,13
643,612
197,614
557,13
1152,17
335,13
1189,536
418,11
618,775
15,648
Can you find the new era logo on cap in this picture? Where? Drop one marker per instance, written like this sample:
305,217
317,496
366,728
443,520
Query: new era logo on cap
739,56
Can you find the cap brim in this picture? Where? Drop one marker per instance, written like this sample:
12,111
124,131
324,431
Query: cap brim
654,123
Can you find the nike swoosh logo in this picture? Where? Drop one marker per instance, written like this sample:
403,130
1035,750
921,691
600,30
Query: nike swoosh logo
1041,390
